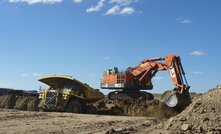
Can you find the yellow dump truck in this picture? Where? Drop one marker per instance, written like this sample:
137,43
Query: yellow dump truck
65,93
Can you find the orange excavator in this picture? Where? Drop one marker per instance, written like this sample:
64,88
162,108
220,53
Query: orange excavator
130,83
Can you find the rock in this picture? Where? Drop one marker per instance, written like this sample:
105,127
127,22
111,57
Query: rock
130,129
111,131
206,119
186,127
183,119
169,123
199,129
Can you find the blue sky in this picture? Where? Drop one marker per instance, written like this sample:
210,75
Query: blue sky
83,38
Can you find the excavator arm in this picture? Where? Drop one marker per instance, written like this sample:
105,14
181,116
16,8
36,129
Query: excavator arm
172,64
175,69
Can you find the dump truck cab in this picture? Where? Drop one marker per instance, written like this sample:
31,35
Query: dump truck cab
65,93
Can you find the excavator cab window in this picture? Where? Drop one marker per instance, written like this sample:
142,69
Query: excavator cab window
109,71
116,70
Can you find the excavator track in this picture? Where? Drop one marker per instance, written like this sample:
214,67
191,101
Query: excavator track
122,95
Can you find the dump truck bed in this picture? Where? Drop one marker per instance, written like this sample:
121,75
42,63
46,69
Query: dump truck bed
65,81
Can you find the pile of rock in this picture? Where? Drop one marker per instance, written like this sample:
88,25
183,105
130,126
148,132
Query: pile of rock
202,116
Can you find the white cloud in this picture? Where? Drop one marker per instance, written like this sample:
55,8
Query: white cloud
127,11
122,2
77,1
64,74
118,7
113,11
6,85
197,72
158,78
184,21
92,75
24,75
31,2
116,10
36,74
96,8
197,53
106,58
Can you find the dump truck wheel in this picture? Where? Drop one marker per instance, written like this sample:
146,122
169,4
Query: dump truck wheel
91,110
41,110
74,107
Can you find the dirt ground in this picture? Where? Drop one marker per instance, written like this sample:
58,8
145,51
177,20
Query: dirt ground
203,115
25,122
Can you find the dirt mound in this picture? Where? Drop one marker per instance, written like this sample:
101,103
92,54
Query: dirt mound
11,101
7,101
153,108
202,116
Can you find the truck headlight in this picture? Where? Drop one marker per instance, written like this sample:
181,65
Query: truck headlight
41,96
65,96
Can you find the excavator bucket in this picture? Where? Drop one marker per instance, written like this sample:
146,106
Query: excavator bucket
176,99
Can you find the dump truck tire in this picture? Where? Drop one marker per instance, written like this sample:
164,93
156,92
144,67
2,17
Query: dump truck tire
91,110
74,107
